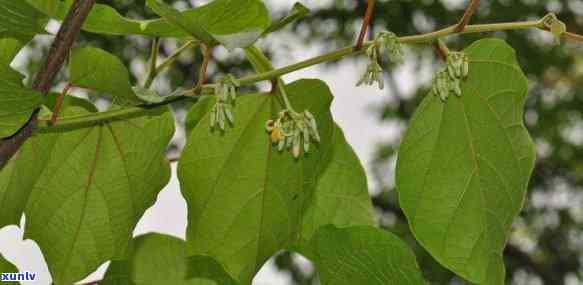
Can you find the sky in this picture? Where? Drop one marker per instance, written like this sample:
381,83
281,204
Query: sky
353,109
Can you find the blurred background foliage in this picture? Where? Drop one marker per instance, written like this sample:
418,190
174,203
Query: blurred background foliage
546,246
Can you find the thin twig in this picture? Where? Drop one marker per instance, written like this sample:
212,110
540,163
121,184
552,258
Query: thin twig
174,56
573,36
365,24
472,7
89,120
438,50
202,72
59,50
153,63
155,70
59,103
441,49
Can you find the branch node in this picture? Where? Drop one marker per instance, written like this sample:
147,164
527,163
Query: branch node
472,7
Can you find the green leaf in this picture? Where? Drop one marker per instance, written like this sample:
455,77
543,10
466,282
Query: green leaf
362,255
464,165
197,113
341,196
20,20
18,177
6,266
205,267
98,70
85,189
233,23
118,273
16,102
16,107
159,259
189,25
147,95
9,48
297,12
246,20
245,198
103,19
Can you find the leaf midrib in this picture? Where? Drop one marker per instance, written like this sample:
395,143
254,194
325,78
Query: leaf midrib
85,193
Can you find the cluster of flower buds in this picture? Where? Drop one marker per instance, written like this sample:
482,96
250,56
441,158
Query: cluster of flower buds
374,73
226,92
384,42
450,78
458,65
292,130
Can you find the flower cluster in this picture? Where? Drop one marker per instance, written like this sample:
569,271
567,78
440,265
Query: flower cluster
374,73
450,78
385,42
291,130
226,92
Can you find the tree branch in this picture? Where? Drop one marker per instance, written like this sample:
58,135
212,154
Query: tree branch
89,120
58,52
467,15
365,24
202,72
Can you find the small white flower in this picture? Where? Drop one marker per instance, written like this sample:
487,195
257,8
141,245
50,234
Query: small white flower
226,93
374,73
293,131
384,43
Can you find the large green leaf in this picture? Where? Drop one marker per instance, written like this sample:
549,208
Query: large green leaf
18,177
9,48
297,12
104,19
200,266
20,20
16,106
341,195
464,165
362,255
85,189
118,273
16,102
99,70
233,23
245,198
158,259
